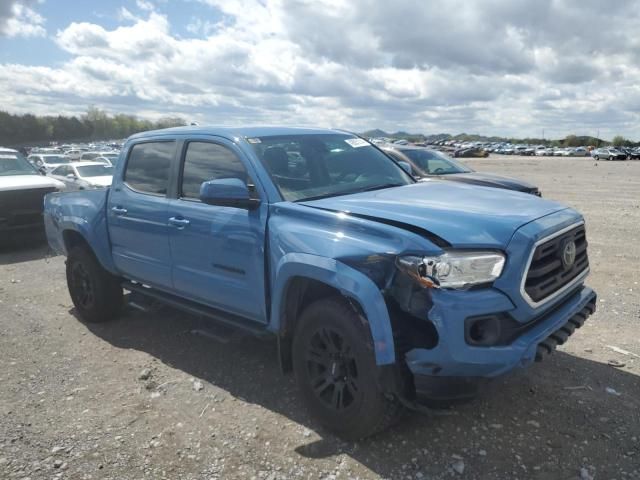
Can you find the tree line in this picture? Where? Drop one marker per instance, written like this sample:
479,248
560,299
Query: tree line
95,124
568,141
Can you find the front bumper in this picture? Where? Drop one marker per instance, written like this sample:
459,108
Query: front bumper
454,357
21,222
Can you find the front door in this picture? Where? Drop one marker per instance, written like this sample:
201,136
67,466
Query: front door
217,252
137,212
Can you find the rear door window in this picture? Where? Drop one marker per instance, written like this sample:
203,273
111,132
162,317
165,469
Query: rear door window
148,167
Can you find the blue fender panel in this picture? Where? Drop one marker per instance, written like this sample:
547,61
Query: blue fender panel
348,281
84,213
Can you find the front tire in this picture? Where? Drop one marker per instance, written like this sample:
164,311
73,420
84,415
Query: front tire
96,293
335,368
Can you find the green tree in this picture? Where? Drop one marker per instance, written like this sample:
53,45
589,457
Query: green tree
572,141
619,141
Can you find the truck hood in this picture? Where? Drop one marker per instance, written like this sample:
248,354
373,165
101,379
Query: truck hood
491,180
462,215
28,182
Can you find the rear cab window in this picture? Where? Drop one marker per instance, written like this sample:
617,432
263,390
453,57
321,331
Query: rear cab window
148,167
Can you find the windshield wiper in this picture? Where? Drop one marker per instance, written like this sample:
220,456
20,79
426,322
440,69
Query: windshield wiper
378,187
350,192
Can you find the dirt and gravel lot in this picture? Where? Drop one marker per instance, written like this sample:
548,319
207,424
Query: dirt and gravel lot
143,397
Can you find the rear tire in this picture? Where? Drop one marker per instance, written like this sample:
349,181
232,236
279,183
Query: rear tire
335,368
610,158
96,293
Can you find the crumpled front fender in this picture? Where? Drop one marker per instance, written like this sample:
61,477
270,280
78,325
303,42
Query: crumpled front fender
350,282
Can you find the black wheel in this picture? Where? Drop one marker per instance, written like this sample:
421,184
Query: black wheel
596,157
610,158
96,294
335,369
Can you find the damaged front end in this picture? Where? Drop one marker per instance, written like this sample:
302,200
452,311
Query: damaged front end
453,329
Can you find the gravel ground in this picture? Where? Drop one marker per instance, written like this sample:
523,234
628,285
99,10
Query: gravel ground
143,397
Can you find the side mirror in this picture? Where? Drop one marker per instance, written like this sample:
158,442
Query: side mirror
228,192
406,167
71,176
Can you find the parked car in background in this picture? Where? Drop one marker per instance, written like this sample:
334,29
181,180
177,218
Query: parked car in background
91,156
631,153
471,152
46,151
427,163
582,152
74,155
22,191
111,157
47,162
104,161
83,175
608,153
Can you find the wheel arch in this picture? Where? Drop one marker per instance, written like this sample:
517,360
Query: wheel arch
74,237
302,279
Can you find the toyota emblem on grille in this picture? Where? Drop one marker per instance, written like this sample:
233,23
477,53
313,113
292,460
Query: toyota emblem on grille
568,253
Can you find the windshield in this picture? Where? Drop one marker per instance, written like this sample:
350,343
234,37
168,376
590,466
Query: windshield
95,170
306,167
15,164
432,162
56,159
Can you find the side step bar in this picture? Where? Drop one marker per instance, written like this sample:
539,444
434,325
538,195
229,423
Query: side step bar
197,309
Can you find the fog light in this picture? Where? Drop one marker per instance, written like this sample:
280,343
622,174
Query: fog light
483,330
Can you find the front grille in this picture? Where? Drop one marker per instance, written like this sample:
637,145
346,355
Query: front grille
547,272
20,208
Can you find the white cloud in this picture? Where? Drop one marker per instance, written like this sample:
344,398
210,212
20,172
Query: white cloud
507,67
145,5
18,19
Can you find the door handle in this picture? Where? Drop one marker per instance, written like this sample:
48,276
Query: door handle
180,223
119,210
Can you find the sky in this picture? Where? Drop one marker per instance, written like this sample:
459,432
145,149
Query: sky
493,67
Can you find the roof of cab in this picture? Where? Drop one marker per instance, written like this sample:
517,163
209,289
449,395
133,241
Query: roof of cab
230,132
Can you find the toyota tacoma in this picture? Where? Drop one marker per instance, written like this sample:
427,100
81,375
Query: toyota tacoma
383,293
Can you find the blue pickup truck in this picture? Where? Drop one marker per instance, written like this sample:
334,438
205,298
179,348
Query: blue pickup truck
383,293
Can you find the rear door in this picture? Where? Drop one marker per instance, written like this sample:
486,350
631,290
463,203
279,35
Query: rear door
137,214
218,252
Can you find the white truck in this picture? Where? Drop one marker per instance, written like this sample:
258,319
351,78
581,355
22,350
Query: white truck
22,191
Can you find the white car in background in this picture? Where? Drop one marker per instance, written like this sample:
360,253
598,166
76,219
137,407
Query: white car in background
92,155
83,175
46,162
74,154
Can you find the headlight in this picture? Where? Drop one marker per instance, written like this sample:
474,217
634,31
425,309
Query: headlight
454,269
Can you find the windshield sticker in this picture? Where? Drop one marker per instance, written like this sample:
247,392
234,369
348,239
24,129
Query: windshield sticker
357,142
254,140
